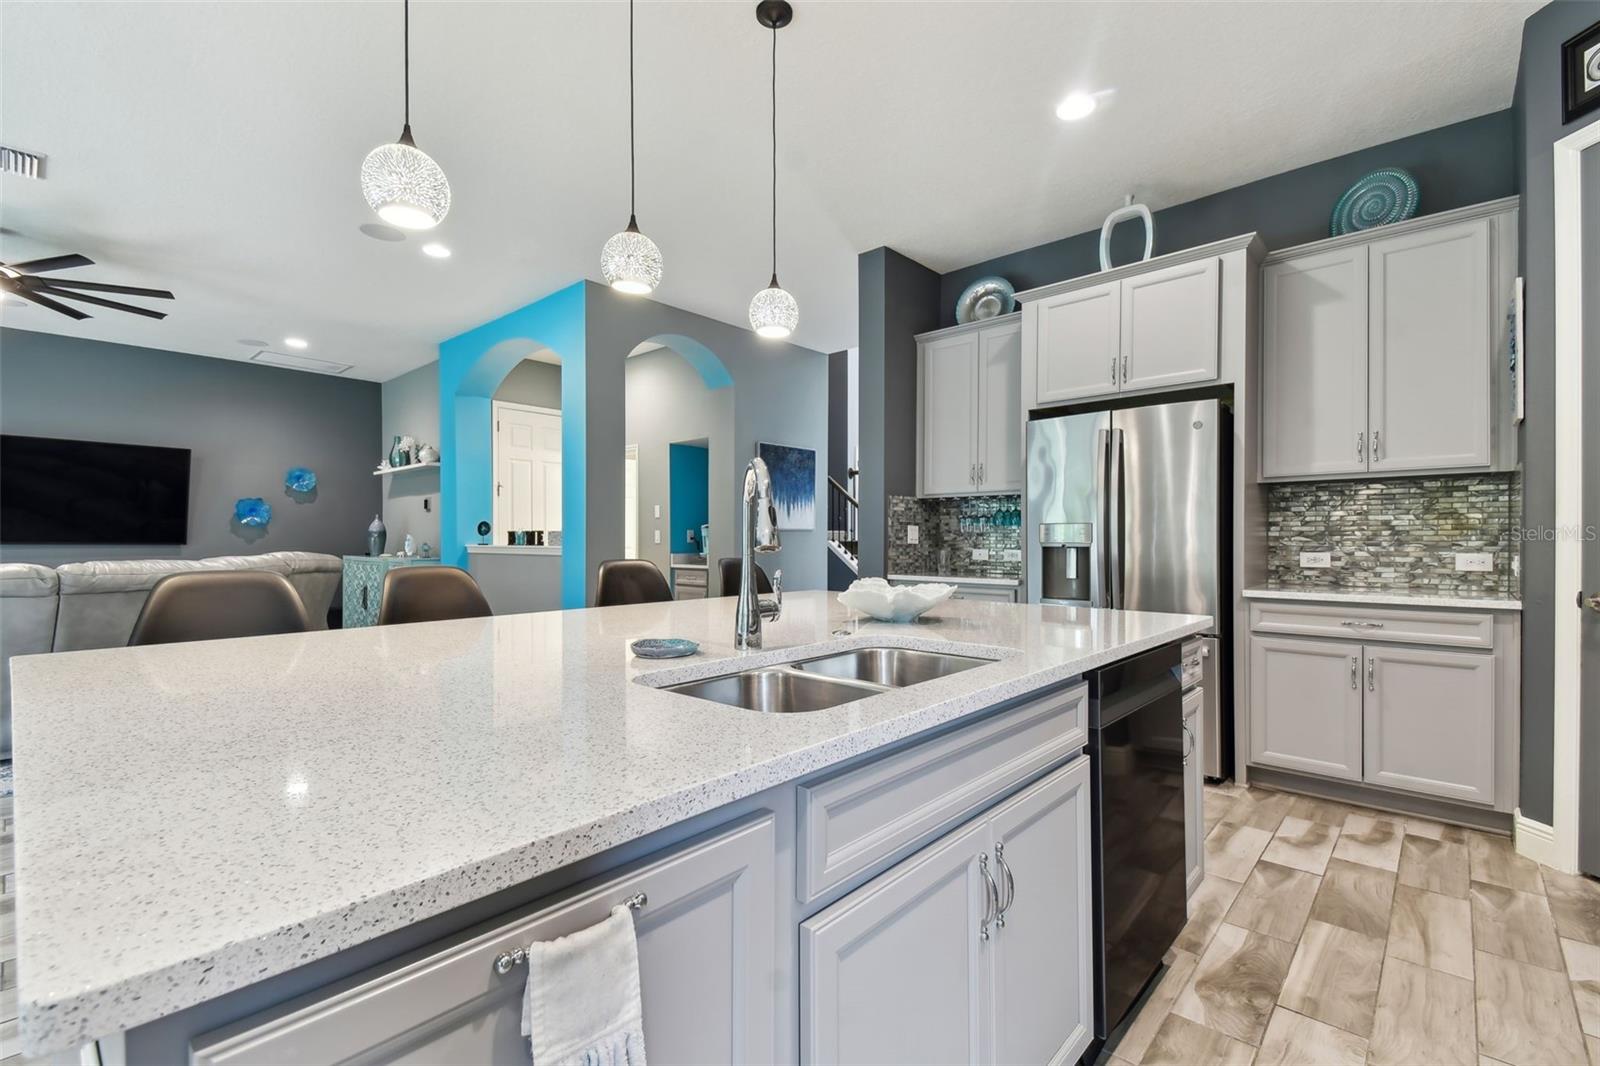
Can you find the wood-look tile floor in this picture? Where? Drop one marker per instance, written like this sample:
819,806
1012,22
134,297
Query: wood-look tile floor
1326,933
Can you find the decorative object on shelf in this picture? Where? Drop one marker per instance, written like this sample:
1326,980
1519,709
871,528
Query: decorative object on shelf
425,551
1381,198
985,298
252,511
552,539
877,598
426,453
397,455
300,479
663,647
401,182
1128,210
794,484
1580,74
1514,349
21,281
630,262
377,536
484,529
774,313
408,546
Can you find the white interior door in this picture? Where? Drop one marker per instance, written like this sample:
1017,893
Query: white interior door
527,469
630,502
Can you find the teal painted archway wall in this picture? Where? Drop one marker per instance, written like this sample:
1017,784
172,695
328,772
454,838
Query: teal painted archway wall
471,367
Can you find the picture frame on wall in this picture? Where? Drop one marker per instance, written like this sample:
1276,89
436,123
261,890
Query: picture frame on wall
794,483
1580,74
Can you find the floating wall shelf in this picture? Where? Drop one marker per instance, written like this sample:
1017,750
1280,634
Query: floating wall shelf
403,469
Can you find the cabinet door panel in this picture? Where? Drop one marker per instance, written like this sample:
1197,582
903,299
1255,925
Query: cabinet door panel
1000,408
707,967
1169,326
1305,705
1043,992
894,972
948,383
1078,343
1430,722
1314,364
1430,332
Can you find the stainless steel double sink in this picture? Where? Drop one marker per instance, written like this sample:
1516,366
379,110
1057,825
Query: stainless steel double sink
828,680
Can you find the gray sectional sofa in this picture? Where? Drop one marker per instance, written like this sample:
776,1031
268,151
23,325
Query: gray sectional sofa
94,605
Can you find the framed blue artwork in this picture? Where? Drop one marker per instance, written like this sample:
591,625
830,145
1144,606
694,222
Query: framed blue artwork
794,483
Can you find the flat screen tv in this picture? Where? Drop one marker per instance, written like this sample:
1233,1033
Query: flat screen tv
56,491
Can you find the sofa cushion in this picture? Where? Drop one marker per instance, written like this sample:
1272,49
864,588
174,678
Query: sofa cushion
28,603
120,575
28,579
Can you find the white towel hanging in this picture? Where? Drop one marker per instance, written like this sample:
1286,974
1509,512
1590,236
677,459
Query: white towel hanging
581,1006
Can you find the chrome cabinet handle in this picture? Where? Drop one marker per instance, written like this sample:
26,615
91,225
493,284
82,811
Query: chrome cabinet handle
980,473
991,897
1124,369
1591,602
1354,672
1011,885
1361,446
1371,683
1355,624
1377,444
1113,370
972,473
1188,747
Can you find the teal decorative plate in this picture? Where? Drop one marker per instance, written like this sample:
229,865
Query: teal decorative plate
1382,198
985,298
663,648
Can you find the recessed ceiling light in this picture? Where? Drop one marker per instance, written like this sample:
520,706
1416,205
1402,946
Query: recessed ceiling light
435,250
1076,106
297,343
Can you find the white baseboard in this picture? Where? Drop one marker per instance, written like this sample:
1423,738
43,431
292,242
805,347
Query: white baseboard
1535,840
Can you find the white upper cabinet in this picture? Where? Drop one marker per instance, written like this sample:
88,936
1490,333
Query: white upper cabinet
1430,324
1000,440
1314,384
1079,342
948,377
969,412
1382,352
1169,326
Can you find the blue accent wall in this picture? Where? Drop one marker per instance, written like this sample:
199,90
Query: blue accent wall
471,367
689,497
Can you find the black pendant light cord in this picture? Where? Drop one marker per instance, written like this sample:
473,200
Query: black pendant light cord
405,129
774,157
632,181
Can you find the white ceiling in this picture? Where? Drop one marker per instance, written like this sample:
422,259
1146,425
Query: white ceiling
213,148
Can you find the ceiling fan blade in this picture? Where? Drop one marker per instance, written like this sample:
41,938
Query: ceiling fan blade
54,262
45,301
82,297
97,286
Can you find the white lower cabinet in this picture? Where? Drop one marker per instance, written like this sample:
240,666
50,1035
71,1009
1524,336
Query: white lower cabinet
1194,816
1430,722
707,936
1305,705
974,950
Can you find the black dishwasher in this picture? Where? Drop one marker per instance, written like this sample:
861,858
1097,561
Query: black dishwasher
1140,902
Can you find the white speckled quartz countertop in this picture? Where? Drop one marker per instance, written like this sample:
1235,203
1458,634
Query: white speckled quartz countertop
999,582
1384,598
196,818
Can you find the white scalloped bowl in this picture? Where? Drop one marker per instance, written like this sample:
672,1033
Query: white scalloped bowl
893,603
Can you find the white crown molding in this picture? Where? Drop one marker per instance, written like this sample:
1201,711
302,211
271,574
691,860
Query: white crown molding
1487,209
1131,270
971,327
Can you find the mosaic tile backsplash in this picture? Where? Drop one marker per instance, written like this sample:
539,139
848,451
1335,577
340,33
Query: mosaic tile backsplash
1397,534
948,530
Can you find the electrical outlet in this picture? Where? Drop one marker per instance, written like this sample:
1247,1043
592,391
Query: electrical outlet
1316,560
980,555
913,535
1475,562
657,532
1011,555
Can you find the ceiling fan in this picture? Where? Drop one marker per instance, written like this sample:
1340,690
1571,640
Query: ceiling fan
22,280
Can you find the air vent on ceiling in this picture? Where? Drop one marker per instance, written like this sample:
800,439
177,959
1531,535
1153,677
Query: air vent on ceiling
16,161
300,362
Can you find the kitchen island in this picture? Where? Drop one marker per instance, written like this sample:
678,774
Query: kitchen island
215,837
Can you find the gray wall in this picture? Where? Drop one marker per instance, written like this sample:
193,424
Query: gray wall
518,584
533,383
899,298
411,499
244,423
1589,728
1537,108
668,403
780,395
1465,163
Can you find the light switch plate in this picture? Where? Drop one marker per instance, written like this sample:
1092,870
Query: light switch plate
913,535
1475,562
980,555
658,515
1011,555
1316,560
657,533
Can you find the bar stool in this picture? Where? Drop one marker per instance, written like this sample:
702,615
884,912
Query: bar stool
733,571
204,605
429,594
630,581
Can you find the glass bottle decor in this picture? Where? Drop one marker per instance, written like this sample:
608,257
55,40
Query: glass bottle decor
377,535
397,455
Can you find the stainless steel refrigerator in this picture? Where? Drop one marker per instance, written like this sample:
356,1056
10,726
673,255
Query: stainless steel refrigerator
1129,508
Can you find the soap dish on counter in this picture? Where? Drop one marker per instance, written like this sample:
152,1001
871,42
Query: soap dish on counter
663,647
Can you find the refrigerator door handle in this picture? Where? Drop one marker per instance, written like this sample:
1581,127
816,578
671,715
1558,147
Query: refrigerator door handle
1099,589
1114,537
